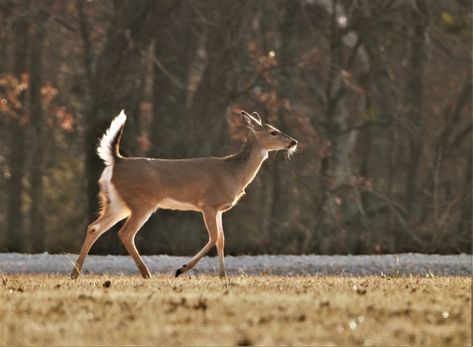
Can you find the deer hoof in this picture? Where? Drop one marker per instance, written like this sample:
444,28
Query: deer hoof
75,273
180,270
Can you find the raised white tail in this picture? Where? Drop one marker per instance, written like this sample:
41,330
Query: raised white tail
108,145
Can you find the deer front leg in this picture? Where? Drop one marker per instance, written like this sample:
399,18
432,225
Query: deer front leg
210,219
220,246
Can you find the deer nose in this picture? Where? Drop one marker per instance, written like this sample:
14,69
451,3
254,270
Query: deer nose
293,143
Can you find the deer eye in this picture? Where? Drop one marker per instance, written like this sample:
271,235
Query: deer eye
274,132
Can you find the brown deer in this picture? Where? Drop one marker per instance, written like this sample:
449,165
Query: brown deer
134,188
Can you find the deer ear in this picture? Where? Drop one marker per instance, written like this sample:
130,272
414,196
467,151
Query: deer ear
251,120
247,120
258,118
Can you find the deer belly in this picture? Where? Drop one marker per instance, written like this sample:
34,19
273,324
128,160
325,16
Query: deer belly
171,204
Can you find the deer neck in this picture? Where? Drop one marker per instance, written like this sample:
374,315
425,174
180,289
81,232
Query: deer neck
248,160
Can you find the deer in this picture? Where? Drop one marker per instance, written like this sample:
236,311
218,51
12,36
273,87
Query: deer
133,188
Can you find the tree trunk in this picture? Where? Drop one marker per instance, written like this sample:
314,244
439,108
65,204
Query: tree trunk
37,227
16,153
418,15
281,195
338,200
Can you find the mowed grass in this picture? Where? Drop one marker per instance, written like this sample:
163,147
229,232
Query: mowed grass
241,310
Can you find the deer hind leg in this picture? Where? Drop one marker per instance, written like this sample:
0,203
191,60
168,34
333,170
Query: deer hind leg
220,246
127,236
94,231
210,218
113,210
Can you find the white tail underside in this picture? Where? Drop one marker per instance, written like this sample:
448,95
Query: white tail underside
116,204
104,150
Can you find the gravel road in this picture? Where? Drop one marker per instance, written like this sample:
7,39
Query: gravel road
393,264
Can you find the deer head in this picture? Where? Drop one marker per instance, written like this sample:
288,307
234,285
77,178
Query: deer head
268,137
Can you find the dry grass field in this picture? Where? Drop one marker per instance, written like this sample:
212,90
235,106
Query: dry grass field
242,310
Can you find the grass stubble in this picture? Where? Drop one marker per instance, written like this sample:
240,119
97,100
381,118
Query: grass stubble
241,310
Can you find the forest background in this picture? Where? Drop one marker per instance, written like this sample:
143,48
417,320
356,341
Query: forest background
378,93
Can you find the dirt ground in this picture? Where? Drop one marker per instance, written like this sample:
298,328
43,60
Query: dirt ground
241,310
